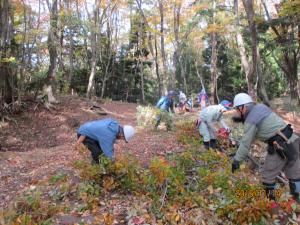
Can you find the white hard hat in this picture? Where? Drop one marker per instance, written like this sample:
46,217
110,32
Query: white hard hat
128,132
241,99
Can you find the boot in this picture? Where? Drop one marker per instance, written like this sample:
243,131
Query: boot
158,119
269,189
213,143
206,144
294,186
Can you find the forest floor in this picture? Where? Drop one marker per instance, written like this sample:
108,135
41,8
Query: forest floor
39,147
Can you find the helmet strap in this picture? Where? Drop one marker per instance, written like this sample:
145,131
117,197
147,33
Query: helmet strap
241,112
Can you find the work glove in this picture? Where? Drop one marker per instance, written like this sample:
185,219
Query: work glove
235,165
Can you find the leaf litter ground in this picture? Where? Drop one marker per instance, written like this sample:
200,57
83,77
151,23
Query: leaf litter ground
38,160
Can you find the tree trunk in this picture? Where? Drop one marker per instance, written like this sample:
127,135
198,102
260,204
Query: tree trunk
52,47
248,5
290,52
6,35
159,80
154,54
213,62
162,43
241,47
183,74
23,52
261,89
176,55
142,83
199,75
292,77
213,69
91,83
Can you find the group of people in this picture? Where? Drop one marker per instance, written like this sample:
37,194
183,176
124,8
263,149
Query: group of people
260,122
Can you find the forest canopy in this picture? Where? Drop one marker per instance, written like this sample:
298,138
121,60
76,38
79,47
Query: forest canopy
136,50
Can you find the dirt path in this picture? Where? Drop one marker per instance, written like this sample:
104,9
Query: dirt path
42,145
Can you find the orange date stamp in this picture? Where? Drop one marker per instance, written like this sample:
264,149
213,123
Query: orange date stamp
257,193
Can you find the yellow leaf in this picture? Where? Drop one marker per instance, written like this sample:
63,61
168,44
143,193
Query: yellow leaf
177,218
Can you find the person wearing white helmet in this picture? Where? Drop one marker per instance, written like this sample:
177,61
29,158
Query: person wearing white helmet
208,116
99,136
283,144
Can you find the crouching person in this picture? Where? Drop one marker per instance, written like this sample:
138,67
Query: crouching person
208,116
165,106
283,145
99,136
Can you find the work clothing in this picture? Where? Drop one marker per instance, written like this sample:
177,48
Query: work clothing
182,97
274,164
103,131
263,124
166,105
203,99
94,148
208,117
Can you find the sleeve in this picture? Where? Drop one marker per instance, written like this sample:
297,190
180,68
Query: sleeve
108,148
160,102
224,125
247,139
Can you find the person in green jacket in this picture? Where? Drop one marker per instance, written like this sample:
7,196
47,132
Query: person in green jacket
283,144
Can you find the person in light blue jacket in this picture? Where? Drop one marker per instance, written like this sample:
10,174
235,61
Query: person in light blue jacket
165,106
99,136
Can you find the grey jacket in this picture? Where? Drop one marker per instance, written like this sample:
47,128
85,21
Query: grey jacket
260,123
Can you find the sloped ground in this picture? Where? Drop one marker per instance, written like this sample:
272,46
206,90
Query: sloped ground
42,143
41,147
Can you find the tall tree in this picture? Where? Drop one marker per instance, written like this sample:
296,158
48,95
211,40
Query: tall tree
52,48
245,61
6,51
162,44
152,37
256,63
213,64
287,32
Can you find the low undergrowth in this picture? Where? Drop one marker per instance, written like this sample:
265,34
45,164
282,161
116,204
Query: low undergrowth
193,187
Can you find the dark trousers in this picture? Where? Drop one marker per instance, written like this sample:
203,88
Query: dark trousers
93,146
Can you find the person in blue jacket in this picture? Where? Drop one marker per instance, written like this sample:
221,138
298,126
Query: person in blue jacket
99,136
165,105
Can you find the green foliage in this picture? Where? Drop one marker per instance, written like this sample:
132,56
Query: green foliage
32,209
37,82
63,84
187,134
80,80
58,178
